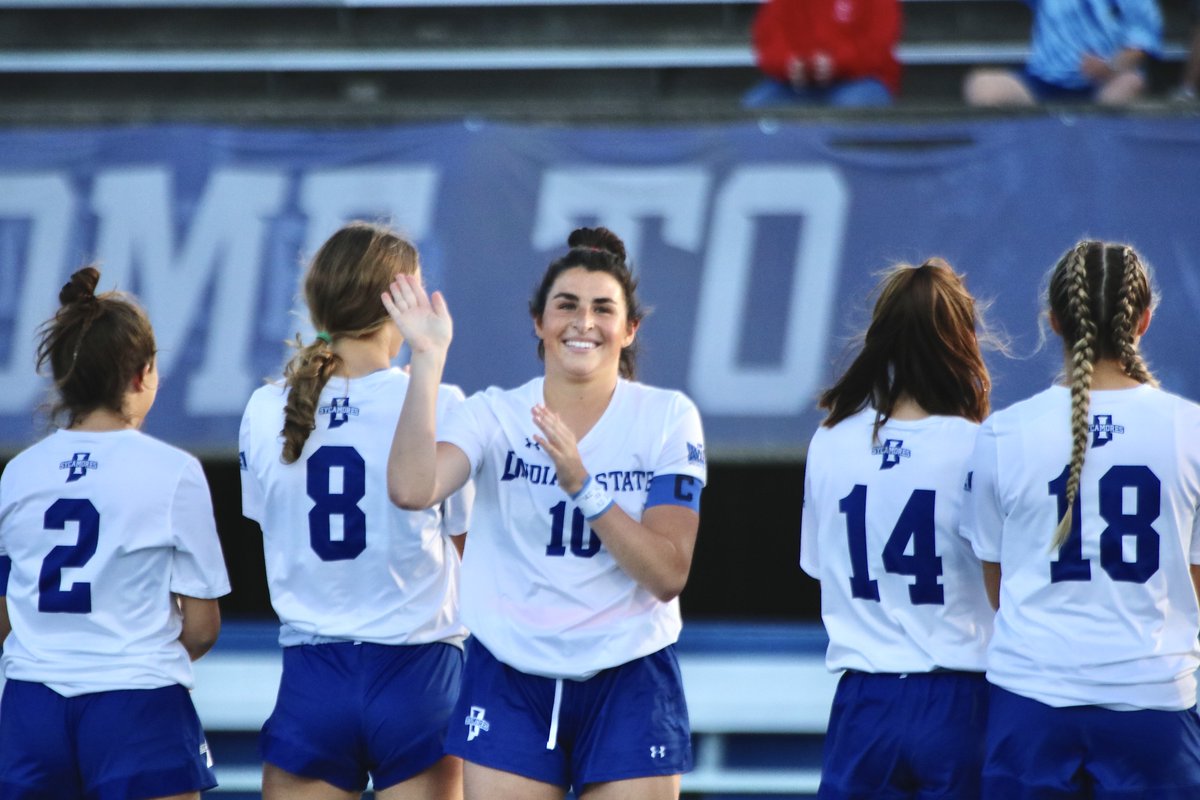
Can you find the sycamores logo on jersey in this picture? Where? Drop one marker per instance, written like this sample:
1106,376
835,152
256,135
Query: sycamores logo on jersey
695,453
79,465
1103,429
475,722
892,451
340,411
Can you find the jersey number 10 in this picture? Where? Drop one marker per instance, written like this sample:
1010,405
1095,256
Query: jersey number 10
916,525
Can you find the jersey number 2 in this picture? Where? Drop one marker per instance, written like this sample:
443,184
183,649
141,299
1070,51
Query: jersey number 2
52,598
328,503
916,525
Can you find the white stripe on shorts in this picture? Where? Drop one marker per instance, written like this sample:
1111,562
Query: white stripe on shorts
552,740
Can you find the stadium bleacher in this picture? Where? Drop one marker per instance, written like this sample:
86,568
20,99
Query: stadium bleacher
95,60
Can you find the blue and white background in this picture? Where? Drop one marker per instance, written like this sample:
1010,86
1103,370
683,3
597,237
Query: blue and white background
756,244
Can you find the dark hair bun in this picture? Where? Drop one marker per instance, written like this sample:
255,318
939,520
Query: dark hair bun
81,288
597,239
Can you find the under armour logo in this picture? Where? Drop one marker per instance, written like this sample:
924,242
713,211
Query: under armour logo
530,443
475,723
78,466
658,751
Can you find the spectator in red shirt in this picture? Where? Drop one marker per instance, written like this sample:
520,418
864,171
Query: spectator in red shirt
834,52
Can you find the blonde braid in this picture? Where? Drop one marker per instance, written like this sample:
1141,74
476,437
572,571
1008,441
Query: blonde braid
1125,320
1082,355
306,375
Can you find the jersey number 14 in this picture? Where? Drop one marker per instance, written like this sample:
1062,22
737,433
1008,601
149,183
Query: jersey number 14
915,525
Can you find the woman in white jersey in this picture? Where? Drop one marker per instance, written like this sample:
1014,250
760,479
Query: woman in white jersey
901,592
1084,507
587,510
365,592
111,568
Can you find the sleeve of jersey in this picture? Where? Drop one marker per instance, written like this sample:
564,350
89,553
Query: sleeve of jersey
681,472
770,35
198,568
460,427
983,514
5,559
252,496
1142,25
456,511
810,557
1194,436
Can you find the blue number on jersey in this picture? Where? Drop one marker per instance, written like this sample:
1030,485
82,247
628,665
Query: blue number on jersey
558,520
1072,566
916,525
52,598
326,503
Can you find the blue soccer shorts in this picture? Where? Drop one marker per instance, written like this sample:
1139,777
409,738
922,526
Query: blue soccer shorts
629,721
1039,751
346,711
912,735
116,745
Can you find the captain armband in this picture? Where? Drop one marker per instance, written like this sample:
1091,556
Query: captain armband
675,490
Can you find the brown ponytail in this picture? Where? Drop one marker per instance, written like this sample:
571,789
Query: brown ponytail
342,288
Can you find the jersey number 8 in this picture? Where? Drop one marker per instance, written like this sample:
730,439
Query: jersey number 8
344,503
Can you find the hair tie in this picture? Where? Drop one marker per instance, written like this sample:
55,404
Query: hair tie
325,337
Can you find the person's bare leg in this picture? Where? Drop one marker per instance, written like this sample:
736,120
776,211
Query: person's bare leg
659,787
1124,88
989,88
442,781
279,784
485,783
1191,73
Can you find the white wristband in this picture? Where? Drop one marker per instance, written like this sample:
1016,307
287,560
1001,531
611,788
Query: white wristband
592,500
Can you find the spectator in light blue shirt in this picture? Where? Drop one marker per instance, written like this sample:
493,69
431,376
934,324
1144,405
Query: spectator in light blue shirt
1082,50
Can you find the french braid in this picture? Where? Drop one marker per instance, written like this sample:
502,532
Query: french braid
1083,353
1132,300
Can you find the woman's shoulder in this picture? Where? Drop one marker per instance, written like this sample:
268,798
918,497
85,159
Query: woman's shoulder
1048,401
164,452
524,395
272,393
647,396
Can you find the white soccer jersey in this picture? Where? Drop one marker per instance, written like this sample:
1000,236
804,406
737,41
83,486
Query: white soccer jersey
1111,618
343,562
539,589
102,527
900,589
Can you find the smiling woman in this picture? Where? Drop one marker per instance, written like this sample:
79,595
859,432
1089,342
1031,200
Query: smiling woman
588,493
